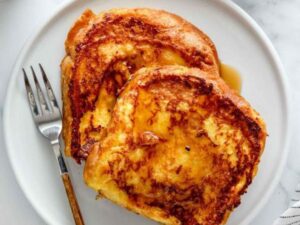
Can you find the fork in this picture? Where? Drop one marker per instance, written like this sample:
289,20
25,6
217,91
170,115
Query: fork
47,118
292,215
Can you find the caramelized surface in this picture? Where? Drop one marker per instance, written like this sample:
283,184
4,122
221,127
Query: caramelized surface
181,147
103,50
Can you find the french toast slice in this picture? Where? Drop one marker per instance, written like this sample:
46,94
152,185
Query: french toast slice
181,147
103,50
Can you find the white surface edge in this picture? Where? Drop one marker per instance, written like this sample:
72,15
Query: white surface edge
283,78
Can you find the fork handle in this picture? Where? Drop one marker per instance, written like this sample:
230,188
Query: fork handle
72,199
67,183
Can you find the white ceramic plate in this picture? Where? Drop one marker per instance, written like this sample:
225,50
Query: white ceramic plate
240,43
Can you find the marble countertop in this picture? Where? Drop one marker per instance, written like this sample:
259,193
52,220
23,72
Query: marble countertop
279,19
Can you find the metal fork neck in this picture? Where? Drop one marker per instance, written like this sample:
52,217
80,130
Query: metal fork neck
54,142
62,165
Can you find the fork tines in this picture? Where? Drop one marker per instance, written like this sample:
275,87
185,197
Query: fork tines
40,106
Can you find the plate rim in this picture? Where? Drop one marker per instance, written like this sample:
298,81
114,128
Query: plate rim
232,7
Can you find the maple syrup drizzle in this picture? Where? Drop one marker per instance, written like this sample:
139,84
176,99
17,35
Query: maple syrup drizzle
232,77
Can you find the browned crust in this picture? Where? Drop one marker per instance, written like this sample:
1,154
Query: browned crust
220,100
88,70
227,102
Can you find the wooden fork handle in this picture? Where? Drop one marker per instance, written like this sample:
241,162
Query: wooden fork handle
72,199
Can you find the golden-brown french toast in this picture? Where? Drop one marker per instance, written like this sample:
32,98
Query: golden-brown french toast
181,147
103,50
